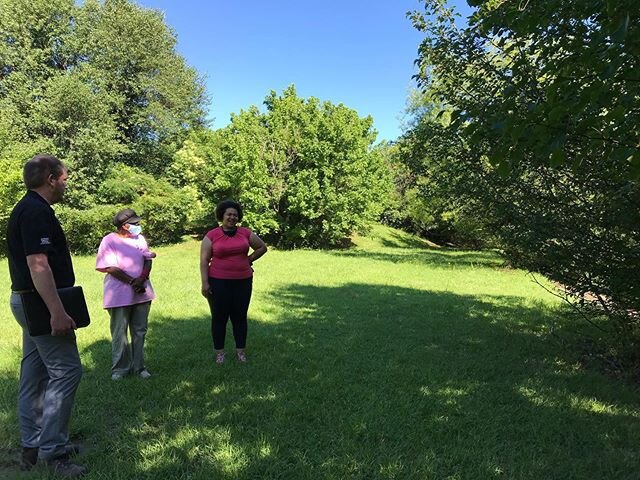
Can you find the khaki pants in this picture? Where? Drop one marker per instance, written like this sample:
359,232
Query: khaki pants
128,358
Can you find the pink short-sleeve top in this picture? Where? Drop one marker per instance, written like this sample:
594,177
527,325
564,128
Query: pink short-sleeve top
128,254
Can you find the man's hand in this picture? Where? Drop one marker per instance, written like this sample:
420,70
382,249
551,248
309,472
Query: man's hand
61,324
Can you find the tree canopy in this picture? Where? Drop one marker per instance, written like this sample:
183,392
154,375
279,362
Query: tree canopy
305,169
95,83
538,135
98,84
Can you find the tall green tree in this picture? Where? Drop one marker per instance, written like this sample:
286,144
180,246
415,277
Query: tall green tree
540,77
129,52
543,136
100,81
426,175
304,169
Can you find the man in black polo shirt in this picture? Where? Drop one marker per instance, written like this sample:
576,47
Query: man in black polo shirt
50,370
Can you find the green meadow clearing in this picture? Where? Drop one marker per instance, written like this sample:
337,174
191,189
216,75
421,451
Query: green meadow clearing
391,360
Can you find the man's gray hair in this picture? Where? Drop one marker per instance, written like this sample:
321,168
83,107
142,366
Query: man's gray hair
37,170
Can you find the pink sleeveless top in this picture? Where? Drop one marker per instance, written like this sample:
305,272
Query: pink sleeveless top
230,254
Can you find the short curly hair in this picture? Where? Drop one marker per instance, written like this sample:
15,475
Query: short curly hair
224,205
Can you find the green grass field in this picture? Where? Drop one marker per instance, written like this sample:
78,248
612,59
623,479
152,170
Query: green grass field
392,360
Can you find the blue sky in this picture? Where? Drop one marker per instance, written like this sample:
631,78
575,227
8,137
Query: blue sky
355,52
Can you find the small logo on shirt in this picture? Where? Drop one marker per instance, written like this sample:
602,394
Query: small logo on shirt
45,241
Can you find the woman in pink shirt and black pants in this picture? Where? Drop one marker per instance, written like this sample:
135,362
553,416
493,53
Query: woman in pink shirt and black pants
227,276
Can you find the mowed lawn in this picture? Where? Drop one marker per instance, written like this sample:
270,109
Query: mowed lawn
392,360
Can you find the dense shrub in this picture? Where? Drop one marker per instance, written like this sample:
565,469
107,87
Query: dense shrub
163,220
123,184
11,189
12,158
426,199
167,212
85,228
304,170
164,217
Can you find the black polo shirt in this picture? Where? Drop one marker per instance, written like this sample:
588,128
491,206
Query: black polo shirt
33,228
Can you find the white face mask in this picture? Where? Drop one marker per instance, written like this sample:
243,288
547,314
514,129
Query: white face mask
135,230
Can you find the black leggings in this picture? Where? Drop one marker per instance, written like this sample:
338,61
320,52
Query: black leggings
229,298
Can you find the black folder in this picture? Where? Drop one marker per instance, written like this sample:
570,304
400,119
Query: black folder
38,316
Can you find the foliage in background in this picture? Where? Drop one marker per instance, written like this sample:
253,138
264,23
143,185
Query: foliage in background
542,137
12,157
97,83
165,209
85,228
425,201
304,170
165,216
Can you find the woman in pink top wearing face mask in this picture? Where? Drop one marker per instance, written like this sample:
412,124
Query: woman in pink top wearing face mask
227,276
125,258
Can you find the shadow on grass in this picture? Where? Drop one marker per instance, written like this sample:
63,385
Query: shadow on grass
366,381
440,257
398,239
9,430
407,248
362,381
